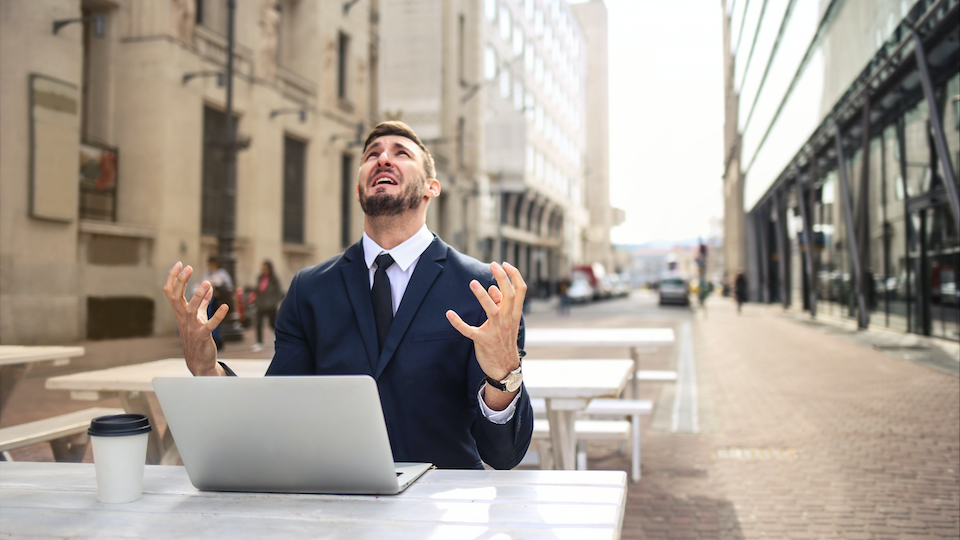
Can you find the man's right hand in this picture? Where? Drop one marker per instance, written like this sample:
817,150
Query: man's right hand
199,349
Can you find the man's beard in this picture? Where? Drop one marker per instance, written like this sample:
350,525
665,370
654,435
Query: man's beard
383,204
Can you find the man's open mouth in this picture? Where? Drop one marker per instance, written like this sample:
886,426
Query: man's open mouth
384,180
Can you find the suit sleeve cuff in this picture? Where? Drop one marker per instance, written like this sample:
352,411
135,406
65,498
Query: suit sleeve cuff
497,417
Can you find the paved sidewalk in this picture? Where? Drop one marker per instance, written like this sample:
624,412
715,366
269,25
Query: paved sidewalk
803,435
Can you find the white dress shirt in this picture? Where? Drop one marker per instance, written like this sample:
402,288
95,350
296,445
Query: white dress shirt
405,257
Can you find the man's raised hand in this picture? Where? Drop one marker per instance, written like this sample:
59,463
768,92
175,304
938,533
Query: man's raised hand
495,340
199,349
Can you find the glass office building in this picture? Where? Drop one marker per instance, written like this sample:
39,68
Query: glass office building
847,141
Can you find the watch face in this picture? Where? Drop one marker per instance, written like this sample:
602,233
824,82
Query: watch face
513,381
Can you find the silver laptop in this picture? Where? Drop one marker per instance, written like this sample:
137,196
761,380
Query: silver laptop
323,434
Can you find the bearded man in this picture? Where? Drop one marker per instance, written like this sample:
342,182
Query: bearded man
440,332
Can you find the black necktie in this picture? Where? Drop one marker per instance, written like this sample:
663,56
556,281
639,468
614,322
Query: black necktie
382,298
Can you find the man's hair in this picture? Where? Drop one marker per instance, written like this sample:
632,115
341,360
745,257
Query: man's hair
213,259
395,127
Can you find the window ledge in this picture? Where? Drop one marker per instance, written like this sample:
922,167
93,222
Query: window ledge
303,249
116,229
345,105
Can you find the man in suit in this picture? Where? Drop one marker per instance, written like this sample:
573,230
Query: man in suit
439,331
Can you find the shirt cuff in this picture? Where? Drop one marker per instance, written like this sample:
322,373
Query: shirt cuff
497,417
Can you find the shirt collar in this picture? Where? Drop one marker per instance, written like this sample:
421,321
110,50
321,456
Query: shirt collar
404,254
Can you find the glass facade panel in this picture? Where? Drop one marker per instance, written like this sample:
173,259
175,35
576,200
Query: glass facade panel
896,227
918,150
790,131
801,27
750,23
736,21
942,254
766,37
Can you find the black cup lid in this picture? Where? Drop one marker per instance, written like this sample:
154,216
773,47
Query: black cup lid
119,425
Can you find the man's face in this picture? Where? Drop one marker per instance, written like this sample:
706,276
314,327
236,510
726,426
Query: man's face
392,178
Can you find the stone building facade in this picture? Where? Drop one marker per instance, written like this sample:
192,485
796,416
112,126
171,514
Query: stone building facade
132,89
113,142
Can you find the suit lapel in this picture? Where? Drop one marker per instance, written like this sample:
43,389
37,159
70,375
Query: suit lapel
356,278
428,268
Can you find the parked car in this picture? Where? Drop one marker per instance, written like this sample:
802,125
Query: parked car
580,291
674,290
594,274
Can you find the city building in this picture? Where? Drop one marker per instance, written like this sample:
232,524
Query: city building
843,145
114,144
117,160
499,91
603,217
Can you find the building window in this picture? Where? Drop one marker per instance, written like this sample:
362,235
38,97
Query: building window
343,49
347,199
294,173
98,160
505,23
212,14
489,63
213,170
490,9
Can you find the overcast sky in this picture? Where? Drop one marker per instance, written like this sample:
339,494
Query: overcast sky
666,117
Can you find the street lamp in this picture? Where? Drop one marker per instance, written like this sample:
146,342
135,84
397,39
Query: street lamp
221,78
231,328
301,112
99,24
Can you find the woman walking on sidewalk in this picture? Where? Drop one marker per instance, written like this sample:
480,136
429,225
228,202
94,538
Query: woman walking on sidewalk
269,295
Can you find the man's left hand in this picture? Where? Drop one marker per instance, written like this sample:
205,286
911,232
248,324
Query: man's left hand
495,340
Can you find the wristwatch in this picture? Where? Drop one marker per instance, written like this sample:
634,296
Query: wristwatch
511,382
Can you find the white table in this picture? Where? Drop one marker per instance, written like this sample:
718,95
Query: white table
133,383
637,339
16,362
59,500
567,386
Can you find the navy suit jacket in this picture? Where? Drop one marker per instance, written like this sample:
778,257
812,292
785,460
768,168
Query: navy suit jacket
427,373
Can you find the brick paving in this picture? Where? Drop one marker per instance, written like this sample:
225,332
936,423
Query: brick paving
869,443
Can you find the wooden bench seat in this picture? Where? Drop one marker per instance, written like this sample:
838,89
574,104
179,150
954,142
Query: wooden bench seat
67,433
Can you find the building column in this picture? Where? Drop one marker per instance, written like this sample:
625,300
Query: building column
808,244
863,317
782,247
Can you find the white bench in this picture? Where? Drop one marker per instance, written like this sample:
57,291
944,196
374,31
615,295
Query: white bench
67,434
619,408
653,375
590,427
586,430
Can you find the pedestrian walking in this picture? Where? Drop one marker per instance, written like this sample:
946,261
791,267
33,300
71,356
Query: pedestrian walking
222,292
740,289
564,296
269,295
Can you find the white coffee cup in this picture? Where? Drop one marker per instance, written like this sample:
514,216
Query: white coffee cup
119,454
